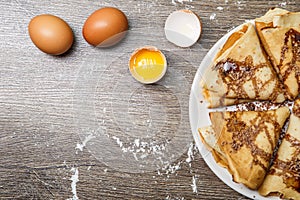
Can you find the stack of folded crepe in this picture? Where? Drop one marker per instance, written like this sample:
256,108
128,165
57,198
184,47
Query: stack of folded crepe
283,178
260,63
279,31
242,70
244,141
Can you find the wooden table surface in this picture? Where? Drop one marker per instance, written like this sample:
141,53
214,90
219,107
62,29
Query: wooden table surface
78,126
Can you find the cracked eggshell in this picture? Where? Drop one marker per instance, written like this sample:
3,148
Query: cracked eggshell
183,28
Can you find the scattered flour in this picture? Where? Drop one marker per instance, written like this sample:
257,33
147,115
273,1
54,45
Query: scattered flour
240,4
74,180
173,168
118,141
194,184
83,144
174,198
140,149
212,16
190,153
283,4
180,1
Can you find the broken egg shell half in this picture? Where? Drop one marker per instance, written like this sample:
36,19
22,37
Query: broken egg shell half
147,64
183,28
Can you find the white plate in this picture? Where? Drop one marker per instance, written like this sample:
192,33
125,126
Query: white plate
199,117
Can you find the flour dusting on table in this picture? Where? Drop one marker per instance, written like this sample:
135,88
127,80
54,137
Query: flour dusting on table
194,184
83,144
190,154
74,180
180,1
284,4
212,16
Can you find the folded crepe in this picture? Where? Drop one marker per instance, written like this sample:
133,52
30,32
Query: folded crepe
283,178
244,141
279,32
241,72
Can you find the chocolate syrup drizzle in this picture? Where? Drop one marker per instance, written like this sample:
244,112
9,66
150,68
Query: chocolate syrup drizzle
292,40
235,74
296,109
243,135
289,170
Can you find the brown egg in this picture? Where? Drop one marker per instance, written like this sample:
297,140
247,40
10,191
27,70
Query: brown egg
50,34
105,27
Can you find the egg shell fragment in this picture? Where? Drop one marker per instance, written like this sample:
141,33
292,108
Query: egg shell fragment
183,28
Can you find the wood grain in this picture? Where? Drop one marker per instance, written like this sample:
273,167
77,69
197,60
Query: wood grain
38,133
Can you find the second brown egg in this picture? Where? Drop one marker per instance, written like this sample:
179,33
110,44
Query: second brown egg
105,27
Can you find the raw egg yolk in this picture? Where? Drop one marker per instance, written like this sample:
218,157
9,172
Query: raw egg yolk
147,65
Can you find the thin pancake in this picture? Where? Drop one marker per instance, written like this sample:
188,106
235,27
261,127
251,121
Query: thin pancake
243,142
214,100
241,72
283,178
279,31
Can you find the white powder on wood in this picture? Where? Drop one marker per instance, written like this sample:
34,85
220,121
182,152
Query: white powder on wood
74,180
180,1
83,144
212,16
194,184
